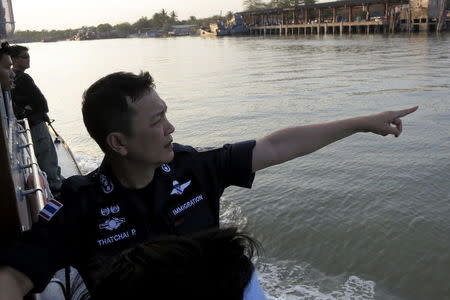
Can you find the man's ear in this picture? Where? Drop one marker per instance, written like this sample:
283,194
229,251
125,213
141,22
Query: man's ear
117,142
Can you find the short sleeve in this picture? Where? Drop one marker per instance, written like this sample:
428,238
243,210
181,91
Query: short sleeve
237,159
230,164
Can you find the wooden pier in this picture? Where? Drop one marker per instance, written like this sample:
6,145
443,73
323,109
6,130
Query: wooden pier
321,28
350,16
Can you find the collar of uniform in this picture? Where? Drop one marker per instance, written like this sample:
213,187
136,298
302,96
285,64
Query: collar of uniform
104,169
105,177
165,172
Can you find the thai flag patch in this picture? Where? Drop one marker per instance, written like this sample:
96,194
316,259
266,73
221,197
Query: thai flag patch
50,209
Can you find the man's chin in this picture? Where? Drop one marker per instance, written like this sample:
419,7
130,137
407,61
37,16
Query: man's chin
169,158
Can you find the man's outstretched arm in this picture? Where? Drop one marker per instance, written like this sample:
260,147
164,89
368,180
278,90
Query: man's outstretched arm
13,284
289,143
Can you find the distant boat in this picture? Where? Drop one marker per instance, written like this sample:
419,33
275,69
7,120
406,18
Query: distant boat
237,25
234,26
214,29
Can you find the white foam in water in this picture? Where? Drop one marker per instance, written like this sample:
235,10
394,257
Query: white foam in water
231,214
287,281
88,163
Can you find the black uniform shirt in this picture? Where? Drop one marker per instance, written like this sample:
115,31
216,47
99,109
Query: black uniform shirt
28,100
99,218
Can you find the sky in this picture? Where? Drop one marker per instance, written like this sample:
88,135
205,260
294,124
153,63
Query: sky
64,14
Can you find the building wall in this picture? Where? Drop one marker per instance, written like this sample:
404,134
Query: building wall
417,12
424,8
433,8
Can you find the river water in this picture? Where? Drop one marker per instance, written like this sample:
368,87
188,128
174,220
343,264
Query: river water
364,218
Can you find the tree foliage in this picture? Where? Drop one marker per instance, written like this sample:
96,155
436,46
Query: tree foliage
142,23
104,28
254,4
123,28
173,16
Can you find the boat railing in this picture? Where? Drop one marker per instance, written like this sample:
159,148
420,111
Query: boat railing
38,202
22,165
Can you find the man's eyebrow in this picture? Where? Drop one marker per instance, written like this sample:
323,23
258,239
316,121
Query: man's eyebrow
160,113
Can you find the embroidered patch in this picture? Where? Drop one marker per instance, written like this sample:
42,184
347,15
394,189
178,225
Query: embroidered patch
105,211
166,168
178,188
50,209
117,237
187,205
107,185
111,209
112,224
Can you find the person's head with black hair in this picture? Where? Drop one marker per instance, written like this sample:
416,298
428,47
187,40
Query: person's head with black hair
125,116
215,264
20,57
6,73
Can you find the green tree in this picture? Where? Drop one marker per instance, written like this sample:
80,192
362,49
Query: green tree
163,13
173,17
123,28
140,24
253,4
275,4
193,20
102,28
289,3
158,20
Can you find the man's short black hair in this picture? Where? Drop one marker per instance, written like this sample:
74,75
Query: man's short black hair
106,107
16,50
5,49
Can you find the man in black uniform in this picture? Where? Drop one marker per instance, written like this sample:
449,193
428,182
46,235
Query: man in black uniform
30,103
148,186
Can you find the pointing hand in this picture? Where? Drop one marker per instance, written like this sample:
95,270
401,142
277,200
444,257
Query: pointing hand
387,122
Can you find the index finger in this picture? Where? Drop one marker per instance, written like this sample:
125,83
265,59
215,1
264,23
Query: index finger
404,112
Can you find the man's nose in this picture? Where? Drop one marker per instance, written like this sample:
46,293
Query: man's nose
170,128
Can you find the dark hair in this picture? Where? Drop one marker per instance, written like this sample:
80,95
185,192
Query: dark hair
5,49
214,264
105,104
16,50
